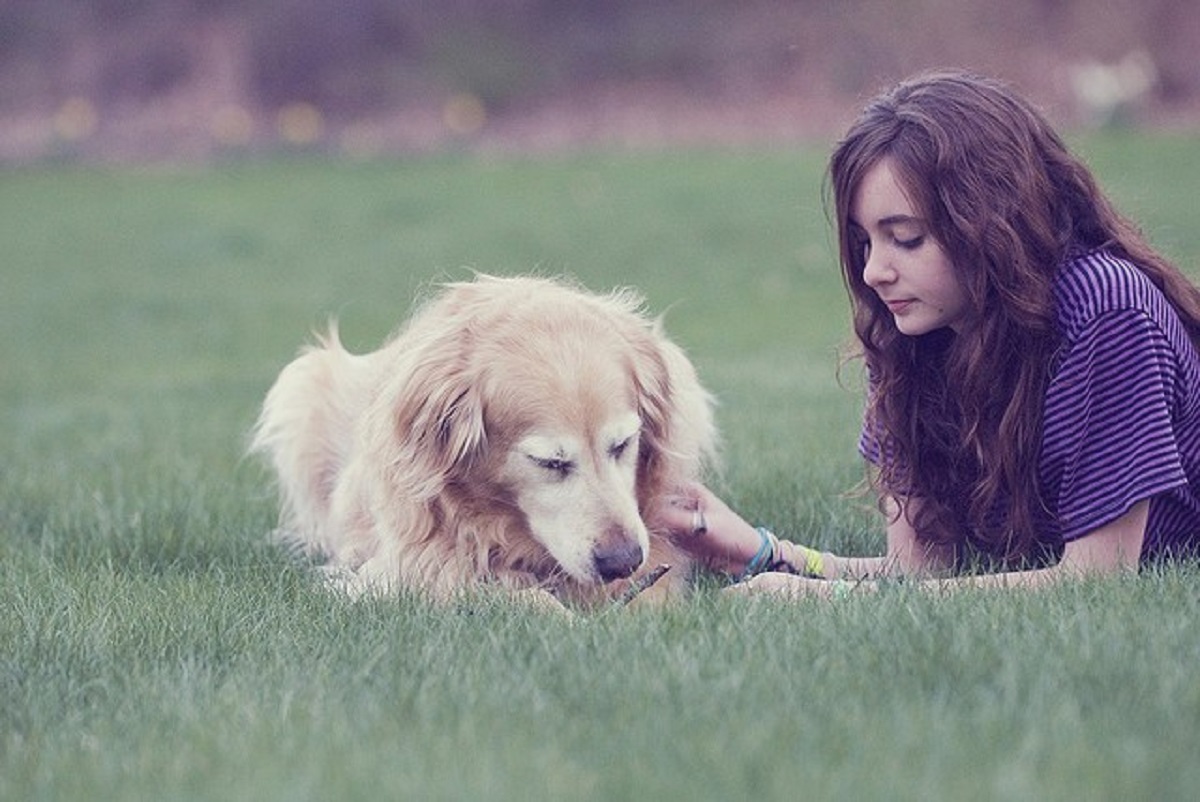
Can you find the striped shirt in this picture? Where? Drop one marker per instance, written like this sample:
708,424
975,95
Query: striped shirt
1121,420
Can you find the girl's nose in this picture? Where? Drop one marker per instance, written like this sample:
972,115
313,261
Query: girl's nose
878,269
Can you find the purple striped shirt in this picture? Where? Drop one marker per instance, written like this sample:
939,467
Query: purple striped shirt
1121,419
1122,415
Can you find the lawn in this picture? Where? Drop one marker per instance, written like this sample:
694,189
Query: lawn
154,645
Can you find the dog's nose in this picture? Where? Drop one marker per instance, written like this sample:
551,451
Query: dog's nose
617,561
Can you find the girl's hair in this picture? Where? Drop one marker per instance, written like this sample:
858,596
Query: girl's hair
961,413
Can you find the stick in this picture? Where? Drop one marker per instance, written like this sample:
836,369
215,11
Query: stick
642,583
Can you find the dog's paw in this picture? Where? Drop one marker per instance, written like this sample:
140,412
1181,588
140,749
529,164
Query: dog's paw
352,584
543,601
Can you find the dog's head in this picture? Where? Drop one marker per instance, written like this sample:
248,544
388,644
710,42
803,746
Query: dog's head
560,412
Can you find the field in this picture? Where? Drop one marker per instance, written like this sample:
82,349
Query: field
154,645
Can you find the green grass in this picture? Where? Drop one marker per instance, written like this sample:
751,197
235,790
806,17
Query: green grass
154,646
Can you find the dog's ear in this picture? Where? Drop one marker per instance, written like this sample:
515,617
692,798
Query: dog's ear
436,420
678,435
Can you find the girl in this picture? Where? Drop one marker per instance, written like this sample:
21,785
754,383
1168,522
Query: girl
1033,365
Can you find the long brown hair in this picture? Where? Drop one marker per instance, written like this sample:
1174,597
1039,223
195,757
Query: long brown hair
1007,201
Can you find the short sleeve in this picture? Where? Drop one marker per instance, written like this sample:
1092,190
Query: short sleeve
875,447
869,445
1108,434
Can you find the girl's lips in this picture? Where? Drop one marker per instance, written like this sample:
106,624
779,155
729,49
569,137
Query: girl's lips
899,305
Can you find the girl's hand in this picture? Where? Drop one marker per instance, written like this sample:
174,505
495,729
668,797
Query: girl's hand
704,526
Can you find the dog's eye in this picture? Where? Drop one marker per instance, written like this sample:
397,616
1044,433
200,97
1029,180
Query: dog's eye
562,467
617,450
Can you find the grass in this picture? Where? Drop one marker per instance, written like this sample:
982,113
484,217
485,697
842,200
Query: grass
154,646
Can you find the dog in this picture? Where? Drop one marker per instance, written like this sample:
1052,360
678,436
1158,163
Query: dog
514,432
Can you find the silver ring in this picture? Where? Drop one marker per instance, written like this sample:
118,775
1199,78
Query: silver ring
699,525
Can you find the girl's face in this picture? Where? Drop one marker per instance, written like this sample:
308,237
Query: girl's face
903,263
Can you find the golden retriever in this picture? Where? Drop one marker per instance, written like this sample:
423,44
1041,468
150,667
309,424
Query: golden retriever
515,431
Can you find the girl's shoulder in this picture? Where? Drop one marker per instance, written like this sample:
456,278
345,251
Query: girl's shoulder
1091,284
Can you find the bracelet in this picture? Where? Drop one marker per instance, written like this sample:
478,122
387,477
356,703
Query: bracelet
796,559
771,556
762,558
814,562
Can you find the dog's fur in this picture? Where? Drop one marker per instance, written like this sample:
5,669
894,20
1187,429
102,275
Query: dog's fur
514,432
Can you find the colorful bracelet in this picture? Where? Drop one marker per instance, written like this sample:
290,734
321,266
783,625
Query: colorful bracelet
763,557
772,556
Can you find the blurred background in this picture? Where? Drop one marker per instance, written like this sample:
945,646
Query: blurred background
147,80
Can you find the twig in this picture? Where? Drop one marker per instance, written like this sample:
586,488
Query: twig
643,582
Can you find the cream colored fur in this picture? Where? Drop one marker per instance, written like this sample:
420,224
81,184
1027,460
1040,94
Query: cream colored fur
514,431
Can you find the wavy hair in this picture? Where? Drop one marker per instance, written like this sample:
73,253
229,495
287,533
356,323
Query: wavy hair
961,413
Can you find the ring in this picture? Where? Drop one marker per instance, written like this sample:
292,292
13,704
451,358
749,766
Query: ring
699,525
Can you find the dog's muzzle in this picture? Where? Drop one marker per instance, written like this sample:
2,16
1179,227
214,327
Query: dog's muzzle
618,560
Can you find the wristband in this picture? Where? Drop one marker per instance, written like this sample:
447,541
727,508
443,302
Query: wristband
814,562
763,557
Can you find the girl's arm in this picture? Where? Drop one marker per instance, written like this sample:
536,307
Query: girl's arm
727,543
1111,548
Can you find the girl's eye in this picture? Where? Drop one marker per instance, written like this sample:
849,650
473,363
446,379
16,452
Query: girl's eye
862,246
858,243
912,243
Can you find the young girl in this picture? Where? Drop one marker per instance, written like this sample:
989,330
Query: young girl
1033,365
